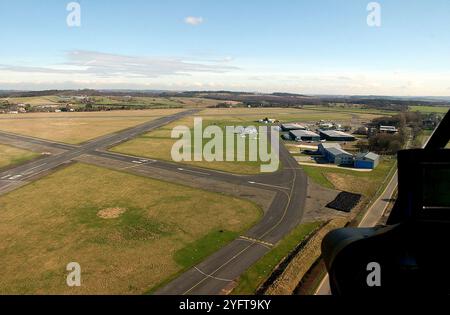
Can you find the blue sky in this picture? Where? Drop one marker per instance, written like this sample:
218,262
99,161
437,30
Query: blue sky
313,47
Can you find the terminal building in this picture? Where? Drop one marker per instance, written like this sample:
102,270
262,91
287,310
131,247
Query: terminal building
304,135
334,135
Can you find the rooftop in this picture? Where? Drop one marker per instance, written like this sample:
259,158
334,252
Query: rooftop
293,126
335,133
388,128
304,133
338,151
370,156
328,145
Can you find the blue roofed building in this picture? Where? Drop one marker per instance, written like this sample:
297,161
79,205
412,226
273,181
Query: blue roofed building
334,153
368,160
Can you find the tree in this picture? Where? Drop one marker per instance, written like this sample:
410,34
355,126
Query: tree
394,146
362,145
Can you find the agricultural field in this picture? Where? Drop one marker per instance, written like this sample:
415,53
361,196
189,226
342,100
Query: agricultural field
50,100
135,101
116,101
76,128
292,114
346,108
10,156
430,109
126,238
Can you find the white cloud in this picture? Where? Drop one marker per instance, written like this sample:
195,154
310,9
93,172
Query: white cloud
104,65
193,20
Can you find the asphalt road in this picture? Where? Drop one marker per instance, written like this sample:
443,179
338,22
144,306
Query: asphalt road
215,274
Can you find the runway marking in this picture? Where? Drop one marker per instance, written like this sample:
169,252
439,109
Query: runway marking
255,183
15,177
195,172
6,186
212,277
6,176
254,240
31,169
253,243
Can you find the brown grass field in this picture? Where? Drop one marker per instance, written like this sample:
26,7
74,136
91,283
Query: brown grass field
11,156
75,128
127,238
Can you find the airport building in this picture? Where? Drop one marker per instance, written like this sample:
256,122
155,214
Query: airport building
290,127
334,153
388,129
334,135
304,135
367,160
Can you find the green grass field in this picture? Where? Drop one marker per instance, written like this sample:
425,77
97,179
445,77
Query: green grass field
252,279
10,156
430,109
365,183
350,109
127,238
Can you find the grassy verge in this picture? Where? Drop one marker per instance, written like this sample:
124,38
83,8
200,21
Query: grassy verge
195,252
250,281
317,174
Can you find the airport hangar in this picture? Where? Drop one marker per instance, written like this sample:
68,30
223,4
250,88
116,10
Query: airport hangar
304,135
334,135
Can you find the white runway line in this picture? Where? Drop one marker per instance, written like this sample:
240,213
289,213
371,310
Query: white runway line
255,183
195,172
31,169
215,278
